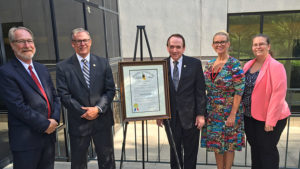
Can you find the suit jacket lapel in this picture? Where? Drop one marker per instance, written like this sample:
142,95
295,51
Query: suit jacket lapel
21,71
183,71
44,82
93,66
171,84
78,71
263,70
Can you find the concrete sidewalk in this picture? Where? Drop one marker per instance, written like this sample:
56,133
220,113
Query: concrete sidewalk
129,165
159,145
157,149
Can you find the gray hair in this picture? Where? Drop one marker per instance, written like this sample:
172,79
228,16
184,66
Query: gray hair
77,30
11,32
224,33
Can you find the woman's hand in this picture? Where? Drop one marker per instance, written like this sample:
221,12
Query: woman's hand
268,128
230,120
235,107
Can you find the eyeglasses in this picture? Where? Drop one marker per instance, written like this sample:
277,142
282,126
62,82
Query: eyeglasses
219,42
78,42
23,41
259,44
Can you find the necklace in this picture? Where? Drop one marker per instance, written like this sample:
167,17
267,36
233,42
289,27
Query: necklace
214,75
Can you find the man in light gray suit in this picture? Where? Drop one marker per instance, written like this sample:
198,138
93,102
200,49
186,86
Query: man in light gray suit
86,87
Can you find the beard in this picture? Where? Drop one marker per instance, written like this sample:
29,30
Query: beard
24,55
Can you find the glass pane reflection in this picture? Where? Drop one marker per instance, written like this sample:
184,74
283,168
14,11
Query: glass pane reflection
284,32
241,30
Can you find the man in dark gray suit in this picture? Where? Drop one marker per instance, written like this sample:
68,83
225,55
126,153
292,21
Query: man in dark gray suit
86,87
187,100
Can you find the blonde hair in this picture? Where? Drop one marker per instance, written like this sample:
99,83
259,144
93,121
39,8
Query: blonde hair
222,32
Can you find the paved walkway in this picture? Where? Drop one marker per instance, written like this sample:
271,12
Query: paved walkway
129,165
158,149
241,157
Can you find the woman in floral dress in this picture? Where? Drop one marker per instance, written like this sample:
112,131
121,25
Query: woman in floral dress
224,129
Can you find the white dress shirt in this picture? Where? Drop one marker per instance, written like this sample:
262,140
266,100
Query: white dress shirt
33,69
179,65
81,63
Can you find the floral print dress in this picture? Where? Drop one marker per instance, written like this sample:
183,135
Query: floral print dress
229,81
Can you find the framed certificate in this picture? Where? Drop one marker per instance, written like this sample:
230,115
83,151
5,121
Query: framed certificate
144,90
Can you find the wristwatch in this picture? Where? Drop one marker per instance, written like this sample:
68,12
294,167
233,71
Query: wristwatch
99,110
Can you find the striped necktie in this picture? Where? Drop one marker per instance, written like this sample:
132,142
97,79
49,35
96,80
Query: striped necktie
86,72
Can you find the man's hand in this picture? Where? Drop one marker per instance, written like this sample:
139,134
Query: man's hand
268,128
200,121
91,113
159,122
52,126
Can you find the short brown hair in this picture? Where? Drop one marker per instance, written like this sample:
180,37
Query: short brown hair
177,35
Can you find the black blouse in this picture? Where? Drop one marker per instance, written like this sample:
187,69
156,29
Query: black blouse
250,79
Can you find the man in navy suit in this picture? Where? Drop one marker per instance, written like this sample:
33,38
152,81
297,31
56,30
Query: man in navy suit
187,101
33,106
86,87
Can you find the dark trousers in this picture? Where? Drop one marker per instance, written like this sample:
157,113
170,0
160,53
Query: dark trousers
40,158
103,141
187,144
264,152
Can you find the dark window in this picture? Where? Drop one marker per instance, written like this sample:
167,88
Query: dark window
68,16
284,31
112,5
241,29
295,73
283,28
95,22
9,54
38,20
112,33
97,2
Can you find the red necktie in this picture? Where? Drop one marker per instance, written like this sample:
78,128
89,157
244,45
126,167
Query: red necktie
35,79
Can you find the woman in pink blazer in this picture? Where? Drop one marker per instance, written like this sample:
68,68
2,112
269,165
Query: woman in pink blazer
266,110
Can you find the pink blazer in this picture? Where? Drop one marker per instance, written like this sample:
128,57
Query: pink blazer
268,97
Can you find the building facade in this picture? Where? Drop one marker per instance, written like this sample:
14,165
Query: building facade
199,20
112,24
196,20
52,22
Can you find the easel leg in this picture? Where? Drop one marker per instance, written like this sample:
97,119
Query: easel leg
140,30
171,141
143,145
123,145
